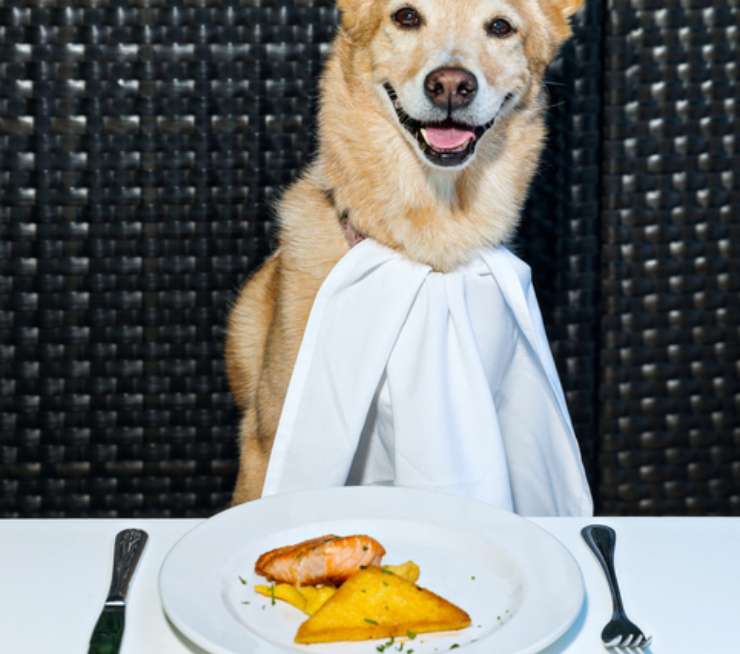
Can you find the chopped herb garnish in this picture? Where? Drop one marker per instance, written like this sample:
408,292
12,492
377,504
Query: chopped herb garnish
472,578
498,617
400,647
454,646
272,594
386,572
243,580
411,634
409,651
371,621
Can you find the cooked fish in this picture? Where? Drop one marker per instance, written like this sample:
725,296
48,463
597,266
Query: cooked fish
324,560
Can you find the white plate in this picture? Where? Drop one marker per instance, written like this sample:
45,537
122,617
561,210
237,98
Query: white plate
521,587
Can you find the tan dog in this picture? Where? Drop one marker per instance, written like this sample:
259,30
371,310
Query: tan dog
430,128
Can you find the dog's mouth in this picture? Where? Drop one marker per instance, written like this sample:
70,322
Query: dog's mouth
445,143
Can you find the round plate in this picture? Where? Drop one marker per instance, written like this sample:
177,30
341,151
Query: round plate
521,587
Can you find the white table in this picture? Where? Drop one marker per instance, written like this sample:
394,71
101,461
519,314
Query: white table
680,580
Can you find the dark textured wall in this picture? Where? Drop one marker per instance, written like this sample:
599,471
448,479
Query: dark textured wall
670,332
142,145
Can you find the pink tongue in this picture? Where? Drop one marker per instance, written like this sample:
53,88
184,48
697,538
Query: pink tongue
448,138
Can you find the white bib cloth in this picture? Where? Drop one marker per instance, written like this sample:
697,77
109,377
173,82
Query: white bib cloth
442,381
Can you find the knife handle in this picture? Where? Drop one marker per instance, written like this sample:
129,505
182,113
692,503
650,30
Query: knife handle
127,552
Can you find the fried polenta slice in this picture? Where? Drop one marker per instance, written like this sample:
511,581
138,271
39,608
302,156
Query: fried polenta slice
316,597
375,603
308,599
284,592
408,570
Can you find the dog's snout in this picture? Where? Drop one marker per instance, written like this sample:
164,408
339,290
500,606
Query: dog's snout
451,88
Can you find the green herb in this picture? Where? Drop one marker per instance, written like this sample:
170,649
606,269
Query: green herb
243,580
386,572
400,647
371,621
386,645
454,646
472,578
272,594
411,634
409,651
498,617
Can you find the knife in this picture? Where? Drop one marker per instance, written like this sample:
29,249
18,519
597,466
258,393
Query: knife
108,632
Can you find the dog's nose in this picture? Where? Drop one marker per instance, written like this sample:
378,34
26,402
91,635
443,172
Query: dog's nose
451,87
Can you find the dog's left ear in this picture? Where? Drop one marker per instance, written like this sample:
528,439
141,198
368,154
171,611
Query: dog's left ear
360,18
569,7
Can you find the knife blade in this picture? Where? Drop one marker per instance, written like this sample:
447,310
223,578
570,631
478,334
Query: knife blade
108,632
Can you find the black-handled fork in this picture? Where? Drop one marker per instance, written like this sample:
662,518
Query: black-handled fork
620,631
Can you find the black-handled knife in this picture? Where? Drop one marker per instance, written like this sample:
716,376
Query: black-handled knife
108,633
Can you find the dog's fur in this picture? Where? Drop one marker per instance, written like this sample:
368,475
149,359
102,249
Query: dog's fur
370,172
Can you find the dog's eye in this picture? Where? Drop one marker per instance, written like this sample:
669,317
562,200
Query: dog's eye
499,27
407,18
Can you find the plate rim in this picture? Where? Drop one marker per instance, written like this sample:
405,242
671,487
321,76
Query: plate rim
202,641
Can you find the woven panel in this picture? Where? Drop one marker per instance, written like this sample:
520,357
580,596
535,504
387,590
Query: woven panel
670,411
140,145
141,148
559,235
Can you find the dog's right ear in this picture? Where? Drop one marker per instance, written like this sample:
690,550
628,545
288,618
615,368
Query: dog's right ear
360,19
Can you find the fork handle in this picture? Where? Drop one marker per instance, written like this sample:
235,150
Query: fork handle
602,539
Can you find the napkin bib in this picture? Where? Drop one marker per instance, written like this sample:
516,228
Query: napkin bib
441,381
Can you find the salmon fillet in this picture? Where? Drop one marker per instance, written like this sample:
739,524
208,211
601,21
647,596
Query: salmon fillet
324,560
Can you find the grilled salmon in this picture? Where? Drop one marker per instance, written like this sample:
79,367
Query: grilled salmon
327,559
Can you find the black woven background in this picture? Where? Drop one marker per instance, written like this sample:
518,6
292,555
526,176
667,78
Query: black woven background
670,347
141,145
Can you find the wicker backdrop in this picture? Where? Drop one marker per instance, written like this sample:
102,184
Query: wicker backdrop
141,147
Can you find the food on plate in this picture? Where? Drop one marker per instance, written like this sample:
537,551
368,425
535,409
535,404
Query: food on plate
310,599
324,560
375,603
408,570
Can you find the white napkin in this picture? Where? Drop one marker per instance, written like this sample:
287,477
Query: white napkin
443,381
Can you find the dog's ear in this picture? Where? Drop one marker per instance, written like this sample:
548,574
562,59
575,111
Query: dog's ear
360,18
569,7
552,30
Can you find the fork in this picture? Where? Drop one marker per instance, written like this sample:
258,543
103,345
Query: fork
620,631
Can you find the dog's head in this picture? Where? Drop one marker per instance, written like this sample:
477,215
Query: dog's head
446,70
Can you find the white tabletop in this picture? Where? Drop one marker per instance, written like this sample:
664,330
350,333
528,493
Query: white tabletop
679,577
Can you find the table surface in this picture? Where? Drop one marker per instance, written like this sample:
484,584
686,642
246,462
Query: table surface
679,578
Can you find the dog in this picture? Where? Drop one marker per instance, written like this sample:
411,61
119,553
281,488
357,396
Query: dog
431,125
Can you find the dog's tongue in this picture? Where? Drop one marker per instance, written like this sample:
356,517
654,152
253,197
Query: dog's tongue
447,138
